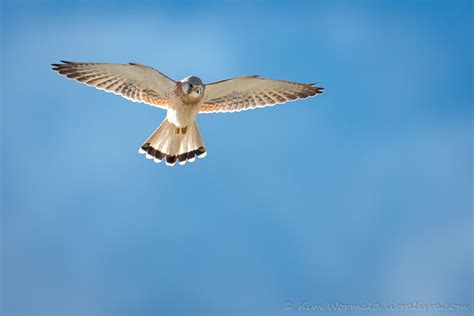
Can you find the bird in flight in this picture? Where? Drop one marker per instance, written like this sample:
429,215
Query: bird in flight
178,139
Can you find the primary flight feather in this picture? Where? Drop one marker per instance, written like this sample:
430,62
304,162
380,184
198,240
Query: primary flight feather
178,139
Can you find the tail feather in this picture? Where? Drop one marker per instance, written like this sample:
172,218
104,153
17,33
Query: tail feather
174,144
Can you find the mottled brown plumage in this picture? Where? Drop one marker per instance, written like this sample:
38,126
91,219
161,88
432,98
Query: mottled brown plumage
135,82
245,93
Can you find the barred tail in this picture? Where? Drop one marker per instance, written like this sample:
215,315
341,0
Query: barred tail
171,143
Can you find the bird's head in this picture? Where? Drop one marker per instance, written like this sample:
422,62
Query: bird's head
192,87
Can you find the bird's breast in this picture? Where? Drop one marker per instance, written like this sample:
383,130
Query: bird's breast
181,114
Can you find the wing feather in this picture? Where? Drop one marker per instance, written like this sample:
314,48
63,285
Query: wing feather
135,82
244,93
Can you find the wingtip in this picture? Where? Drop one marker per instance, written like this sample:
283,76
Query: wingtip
55,67
319,90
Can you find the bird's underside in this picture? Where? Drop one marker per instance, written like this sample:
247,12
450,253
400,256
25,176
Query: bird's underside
178,138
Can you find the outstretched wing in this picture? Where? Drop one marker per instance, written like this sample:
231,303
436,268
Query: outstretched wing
134,82
244,93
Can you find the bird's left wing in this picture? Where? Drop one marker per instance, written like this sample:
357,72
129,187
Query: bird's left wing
244,93
134,82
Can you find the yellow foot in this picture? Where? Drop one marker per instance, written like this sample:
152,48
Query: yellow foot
181,130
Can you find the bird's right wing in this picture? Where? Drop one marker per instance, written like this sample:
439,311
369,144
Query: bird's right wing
134,82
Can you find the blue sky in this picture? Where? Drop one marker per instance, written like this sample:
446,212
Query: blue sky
362,194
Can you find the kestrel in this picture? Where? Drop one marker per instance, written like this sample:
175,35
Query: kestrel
178,139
